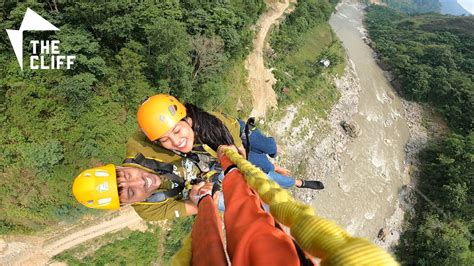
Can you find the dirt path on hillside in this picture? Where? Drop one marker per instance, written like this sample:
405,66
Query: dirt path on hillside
39,251
260,79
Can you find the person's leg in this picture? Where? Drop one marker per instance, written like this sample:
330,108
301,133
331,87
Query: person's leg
252,238
287,182
207,244
262,144
283,181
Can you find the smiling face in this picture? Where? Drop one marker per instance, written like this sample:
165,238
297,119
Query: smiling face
135,184
180,137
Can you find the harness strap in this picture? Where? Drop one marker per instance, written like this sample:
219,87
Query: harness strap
209,150
161,196
209,175
204,148
248,127
174,191
152,164
174,178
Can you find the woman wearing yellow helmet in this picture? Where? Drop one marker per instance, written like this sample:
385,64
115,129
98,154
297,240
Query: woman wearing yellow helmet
193,133
178,127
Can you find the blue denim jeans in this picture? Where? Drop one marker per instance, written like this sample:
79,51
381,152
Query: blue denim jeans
282,180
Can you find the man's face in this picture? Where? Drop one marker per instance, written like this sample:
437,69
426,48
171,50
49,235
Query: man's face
135,184
180,137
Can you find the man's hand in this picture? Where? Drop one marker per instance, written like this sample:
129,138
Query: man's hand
200,190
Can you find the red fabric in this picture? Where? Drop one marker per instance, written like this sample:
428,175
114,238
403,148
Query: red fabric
207,244
252,238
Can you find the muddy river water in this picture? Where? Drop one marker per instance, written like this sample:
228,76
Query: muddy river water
362,194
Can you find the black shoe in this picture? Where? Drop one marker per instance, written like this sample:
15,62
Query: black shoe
312,184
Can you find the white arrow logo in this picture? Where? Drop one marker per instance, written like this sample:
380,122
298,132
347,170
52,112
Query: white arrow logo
31,21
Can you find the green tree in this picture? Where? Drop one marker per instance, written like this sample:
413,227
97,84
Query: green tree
448,166
42,156
129,82
180,228
77,91
169,47
207,55
82,44
441,243
416,81
432,57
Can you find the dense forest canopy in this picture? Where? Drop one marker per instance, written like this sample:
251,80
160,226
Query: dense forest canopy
432,57
441,231
56,122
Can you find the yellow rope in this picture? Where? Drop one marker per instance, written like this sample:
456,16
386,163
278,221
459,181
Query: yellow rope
318,236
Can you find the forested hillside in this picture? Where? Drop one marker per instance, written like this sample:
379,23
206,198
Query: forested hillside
432,56
56,122
414,6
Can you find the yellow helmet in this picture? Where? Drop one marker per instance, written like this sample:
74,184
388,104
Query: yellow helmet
158,114
97,188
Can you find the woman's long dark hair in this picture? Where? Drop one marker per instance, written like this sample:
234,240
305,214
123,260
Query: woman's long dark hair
207,128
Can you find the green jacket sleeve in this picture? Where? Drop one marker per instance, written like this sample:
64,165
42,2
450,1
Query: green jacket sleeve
167,209
138,143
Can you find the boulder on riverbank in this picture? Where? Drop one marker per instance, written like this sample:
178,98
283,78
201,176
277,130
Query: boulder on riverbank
387,236
383,234
351,128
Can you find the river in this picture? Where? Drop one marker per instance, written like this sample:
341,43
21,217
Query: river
362,194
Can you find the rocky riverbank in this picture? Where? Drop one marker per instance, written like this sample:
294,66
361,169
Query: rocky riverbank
320,155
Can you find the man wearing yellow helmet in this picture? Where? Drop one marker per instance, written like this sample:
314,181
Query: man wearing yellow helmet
154,194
